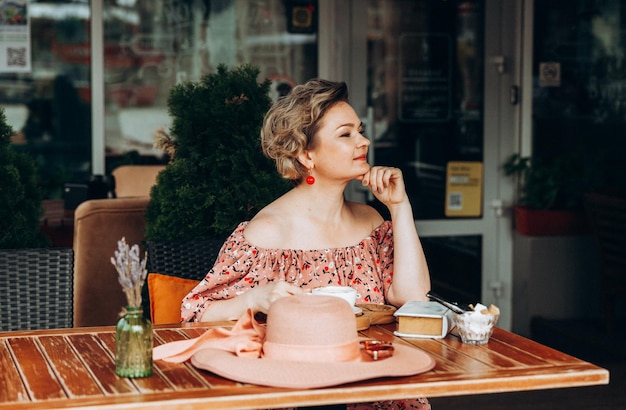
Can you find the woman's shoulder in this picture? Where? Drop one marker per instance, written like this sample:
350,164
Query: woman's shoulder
265,228
277,228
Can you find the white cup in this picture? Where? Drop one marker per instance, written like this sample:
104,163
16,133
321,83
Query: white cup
344,292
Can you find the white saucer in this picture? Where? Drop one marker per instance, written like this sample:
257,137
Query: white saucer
357,310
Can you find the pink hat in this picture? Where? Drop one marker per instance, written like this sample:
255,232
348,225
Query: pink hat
311,341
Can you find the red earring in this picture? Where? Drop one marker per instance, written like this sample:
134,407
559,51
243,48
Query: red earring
310,179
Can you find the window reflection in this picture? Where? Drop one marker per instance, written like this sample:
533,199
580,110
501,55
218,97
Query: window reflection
49,107
149,45
581,116
425,84
152,45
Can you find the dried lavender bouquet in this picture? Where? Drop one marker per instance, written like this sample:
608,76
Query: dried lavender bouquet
131,271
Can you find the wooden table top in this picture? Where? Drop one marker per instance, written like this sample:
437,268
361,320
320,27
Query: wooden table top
75,368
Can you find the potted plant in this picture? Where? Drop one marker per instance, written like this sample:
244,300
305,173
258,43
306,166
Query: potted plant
550,194
29,271
20,197
217,175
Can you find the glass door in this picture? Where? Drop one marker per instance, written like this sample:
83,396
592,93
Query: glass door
439,103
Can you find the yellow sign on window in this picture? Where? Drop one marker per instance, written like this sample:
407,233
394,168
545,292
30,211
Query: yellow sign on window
464,189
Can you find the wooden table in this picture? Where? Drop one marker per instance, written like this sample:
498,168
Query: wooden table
75,368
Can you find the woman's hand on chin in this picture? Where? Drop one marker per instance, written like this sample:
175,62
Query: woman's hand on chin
386,183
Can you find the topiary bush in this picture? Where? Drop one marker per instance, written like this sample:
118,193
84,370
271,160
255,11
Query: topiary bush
20,197
217,176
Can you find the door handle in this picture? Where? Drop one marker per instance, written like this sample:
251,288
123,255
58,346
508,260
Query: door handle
514,95
498,206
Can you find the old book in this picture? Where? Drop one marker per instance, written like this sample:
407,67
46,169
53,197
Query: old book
425,319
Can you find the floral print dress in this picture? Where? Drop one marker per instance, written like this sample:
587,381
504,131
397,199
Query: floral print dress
241,266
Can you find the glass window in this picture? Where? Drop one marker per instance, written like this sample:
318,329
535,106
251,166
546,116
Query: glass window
425,80
455,265
579,98
48,108
149,45
152,45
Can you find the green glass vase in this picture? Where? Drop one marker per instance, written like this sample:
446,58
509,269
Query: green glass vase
133,344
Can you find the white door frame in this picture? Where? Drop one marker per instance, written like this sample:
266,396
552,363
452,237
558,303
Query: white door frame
97,88
342,48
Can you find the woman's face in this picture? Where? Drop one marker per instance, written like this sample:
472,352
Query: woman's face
340,150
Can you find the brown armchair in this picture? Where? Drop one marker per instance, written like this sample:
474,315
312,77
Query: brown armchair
98,225
607,217
135,180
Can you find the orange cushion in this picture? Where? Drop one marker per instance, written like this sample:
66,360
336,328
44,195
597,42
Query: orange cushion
166,294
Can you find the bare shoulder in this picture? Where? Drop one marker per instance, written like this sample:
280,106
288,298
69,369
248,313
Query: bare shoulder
265,229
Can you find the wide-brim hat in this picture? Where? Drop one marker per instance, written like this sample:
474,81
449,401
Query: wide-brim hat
311,341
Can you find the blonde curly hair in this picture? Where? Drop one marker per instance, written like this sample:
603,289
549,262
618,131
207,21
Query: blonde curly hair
291,124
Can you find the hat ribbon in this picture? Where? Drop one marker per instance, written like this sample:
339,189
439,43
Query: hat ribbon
245,339
345,352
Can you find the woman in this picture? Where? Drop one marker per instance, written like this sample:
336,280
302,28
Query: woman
311,236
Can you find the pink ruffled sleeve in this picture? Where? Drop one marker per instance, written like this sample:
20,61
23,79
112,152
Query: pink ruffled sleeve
225,280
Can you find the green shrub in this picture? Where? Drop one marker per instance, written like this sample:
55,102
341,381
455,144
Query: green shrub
20,198
218,175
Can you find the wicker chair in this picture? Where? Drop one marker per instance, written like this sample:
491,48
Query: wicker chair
184,259
36,288
607,217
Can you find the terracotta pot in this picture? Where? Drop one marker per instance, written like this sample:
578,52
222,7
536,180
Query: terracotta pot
546,222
